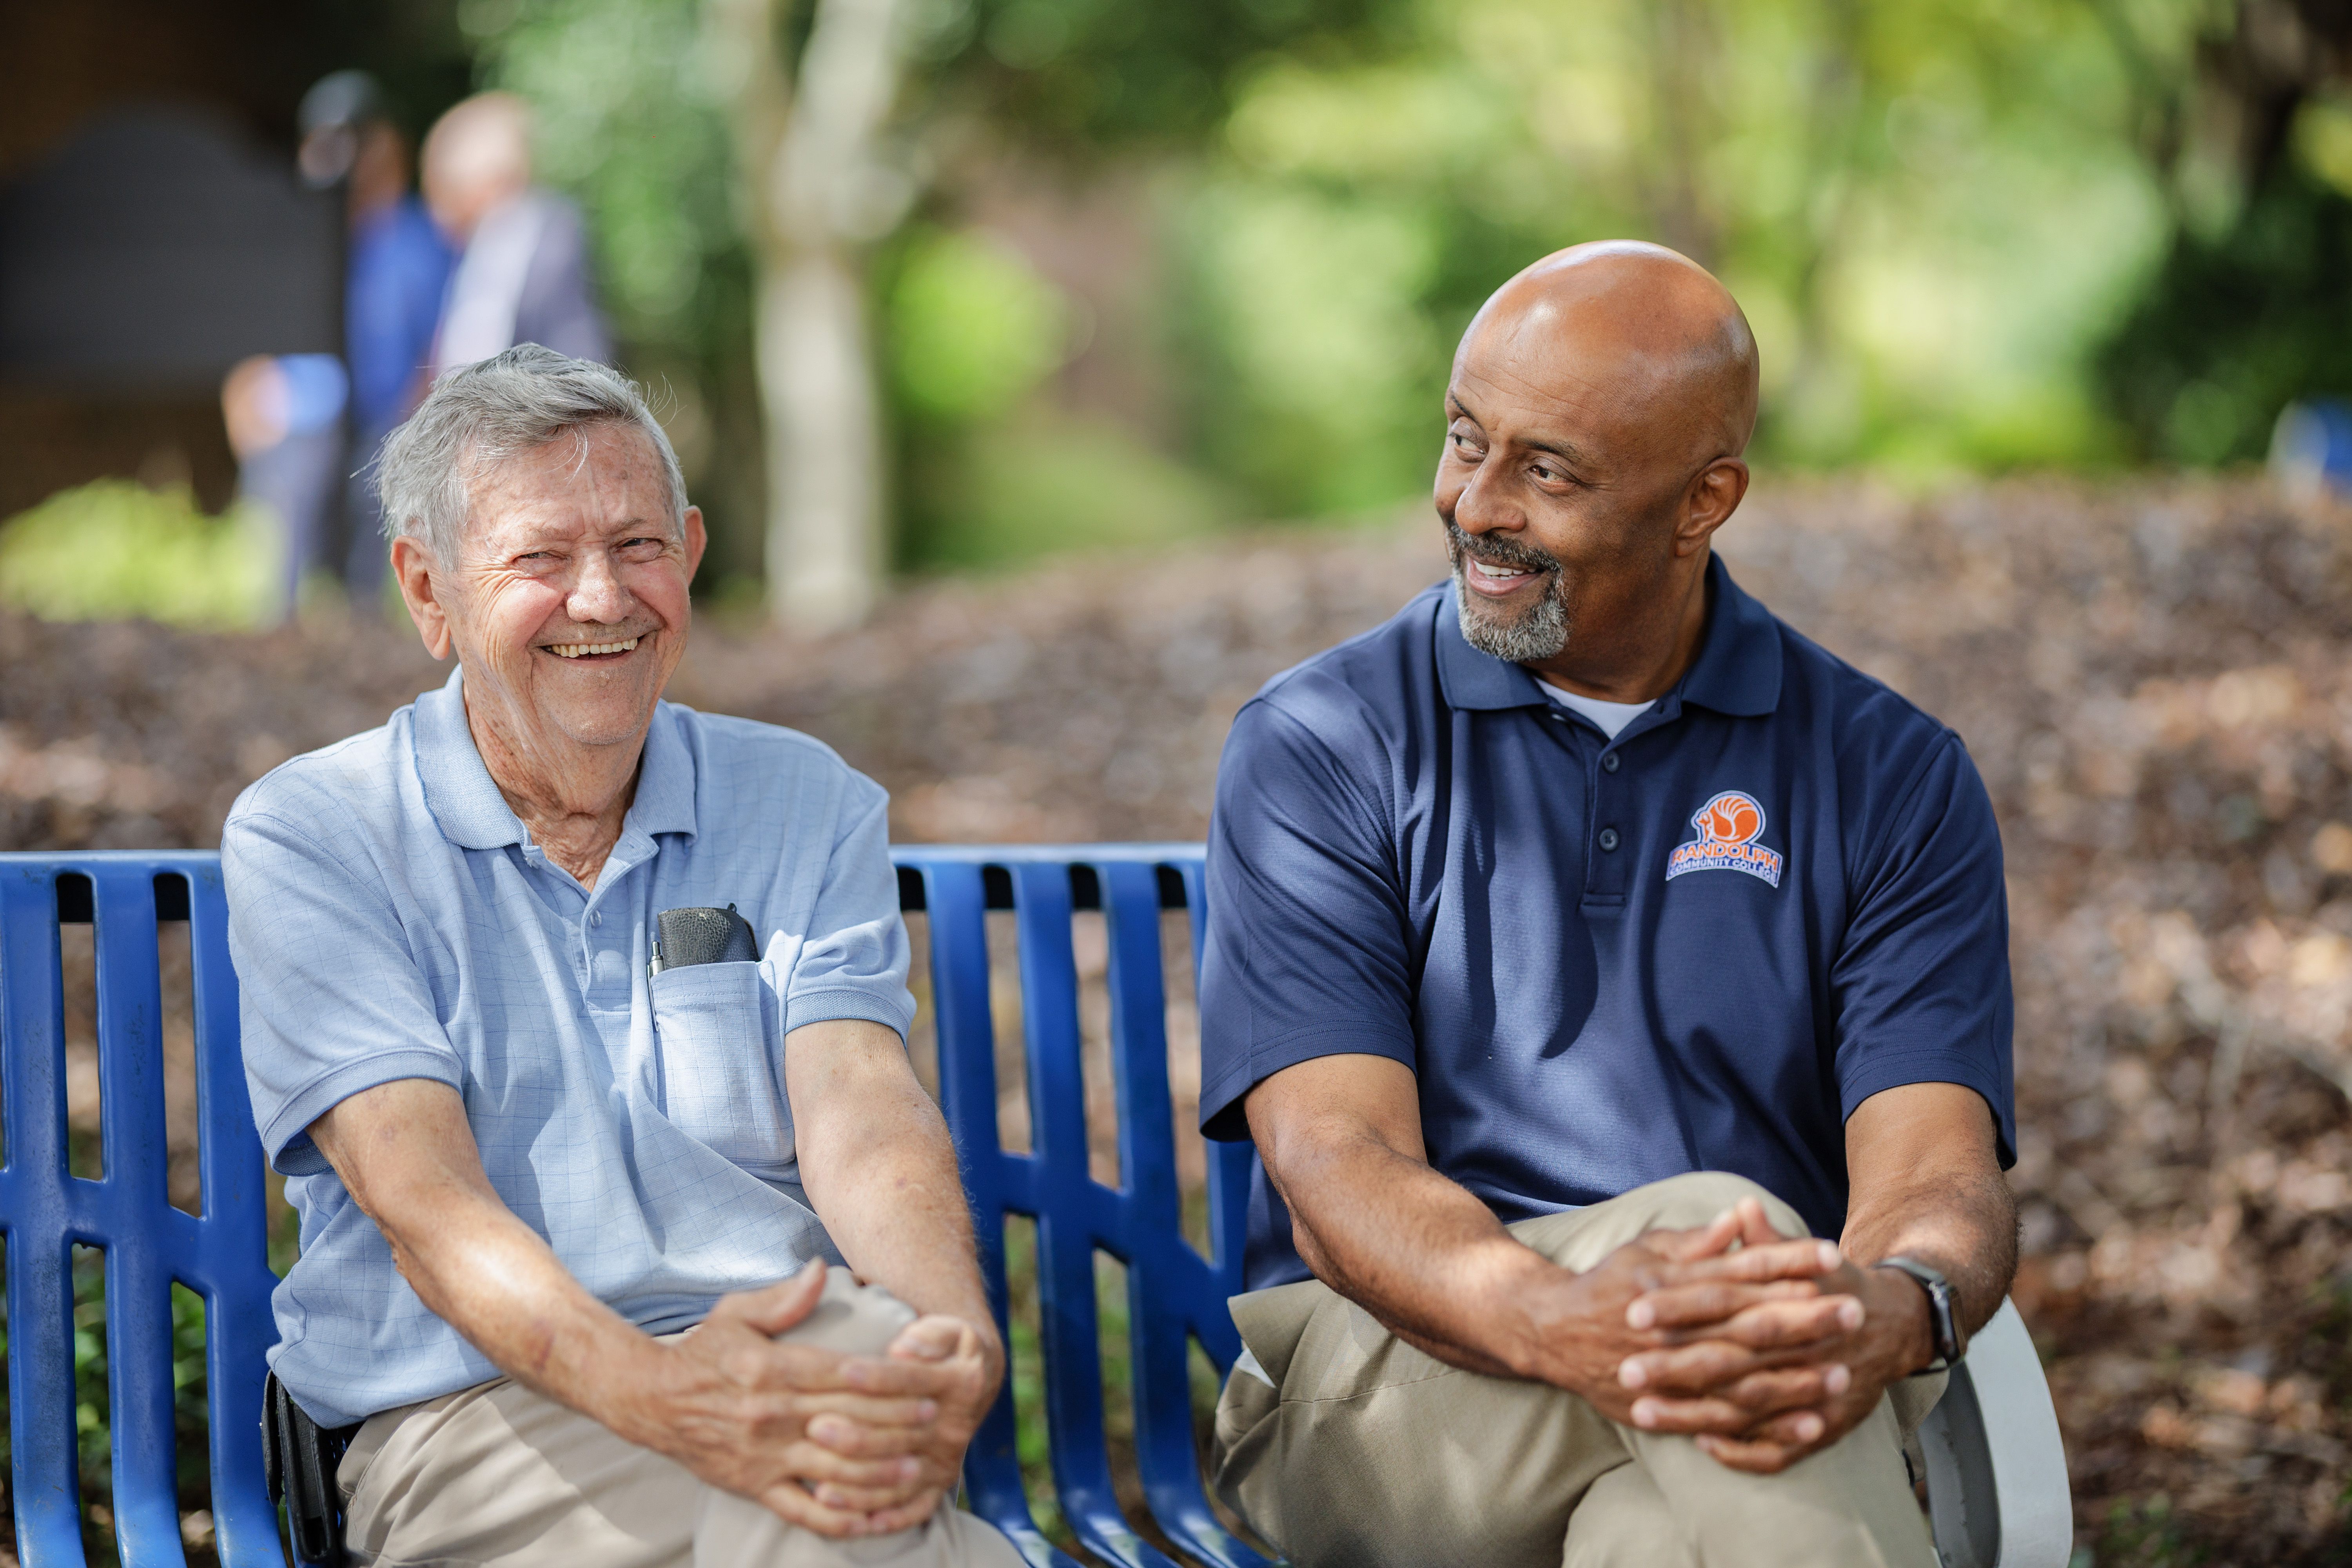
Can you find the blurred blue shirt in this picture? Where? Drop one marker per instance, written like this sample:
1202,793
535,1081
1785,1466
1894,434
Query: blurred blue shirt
397,273
390,919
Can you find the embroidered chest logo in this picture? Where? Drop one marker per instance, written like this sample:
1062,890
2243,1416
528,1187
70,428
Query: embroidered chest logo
1728,827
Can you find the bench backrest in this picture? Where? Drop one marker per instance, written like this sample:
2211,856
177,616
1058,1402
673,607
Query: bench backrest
1175,1293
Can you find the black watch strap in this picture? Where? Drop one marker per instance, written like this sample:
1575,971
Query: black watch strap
1943,1313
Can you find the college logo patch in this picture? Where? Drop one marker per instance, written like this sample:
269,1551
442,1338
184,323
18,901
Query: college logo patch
1728,827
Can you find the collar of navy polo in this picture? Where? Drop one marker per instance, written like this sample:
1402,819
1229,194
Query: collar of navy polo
1738,670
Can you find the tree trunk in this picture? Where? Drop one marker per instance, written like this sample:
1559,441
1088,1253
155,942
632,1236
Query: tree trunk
814,195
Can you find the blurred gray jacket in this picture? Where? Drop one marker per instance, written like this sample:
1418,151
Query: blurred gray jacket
524,279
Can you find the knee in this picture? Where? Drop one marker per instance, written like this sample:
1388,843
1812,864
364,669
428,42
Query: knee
1680,1202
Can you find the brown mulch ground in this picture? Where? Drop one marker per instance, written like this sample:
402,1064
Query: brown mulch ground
2152,676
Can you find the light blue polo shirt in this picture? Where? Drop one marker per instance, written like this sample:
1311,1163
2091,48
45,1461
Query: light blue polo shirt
390,919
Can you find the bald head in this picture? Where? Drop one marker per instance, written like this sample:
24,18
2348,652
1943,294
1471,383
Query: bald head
477,157
1642,327
1596,415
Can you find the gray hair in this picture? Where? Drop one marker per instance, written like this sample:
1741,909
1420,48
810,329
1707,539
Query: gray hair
480,415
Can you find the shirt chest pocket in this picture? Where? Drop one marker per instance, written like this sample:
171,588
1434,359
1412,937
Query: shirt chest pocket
716,1026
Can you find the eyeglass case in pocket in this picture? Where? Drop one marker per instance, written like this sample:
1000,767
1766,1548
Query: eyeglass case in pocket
717,1026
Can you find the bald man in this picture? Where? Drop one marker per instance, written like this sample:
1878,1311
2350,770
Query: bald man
522,273
1616,986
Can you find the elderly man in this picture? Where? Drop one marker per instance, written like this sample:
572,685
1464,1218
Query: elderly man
569,1198
1580,941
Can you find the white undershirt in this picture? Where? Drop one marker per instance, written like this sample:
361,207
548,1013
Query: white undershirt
1611,716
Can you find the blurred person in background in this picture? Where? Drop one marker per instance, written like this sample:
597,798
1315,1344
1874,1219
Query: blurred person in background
396,274
522,275
285,419
296,421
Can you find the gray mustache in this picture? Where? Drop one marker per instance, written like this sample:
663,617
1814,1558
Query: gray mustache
1497,551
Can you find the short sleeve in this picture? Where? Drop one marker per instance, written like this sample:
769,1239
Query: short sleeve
1920,984
331,1001
1308,952
851,962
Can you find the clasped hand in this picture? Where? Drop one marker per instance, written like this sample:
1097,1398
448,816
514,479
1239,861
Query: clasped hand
1763,1349
842,1445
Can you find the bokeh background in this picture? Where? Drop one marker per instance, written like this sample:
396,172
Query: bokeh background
1129,326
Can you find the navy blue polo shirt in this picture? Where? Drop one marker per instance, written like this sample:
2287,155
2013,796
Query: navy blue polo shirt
1698,947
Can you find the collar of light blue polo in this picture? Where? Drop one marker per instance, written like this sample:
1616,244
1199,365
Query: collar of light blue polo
1738,670
472,814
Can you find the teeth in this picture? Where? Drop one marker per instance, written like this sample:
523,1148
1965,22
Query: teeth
581,649
1486,571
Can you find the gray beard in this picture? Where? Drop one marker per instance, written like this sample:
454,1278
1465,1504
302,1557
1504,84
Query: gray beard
1536,634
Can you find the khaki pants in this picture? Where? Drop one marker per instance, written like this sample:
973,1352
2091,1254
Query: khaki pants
497,1475
1366,1453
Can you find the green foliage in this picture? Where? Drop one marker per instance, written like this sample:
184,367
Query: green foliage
1928,210
2235,327
1935,213
1074,80
2142,1532
114,548
972,327
1027,487
1314,331
992,476
630,125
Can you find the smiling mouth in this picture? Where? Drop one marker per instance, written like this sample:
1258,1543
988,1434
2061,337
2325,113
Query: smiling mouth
590,649
1489,579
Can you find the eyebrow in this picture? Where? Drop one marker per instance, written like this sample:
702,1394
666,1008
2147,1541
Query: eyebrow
1566,451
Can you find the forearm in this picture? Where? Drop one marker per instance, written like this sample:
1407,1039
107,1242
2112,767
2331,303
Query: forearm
880,1170
405,1152
1416,1250
495,1281
1960,1222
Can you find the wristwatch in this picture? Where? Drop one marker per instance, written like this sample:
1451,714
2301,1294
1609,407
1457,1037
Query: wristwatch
1943,1321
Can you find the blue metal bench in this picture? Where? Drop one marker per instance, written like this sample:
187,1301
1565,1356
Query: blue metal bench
1978,1478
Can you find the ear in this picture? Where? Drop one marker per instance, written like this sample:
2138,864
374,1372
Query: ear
697,540
412,568
1715,493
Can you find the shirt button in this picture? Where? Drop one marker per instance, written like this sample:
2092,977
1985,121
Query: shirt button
1608,838
595,917
1609,762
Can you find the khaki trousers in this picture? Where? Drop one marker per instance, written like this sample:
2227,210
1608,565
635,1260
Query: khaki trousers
1359,1451
497,1475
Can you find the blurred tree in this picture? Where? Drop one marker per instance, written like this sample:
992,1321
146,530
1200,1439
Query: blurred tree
814,190
1934,211
1927,209
742,157
631,123
2245,112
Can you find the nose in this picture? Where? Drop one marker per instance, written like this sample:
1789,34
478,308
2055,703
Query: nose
597,594
1480,507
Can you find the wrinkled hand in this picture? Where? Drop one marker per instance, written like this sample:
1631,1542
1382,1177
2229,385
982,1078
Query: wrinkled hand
957,1370
737,1406
1762,1382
